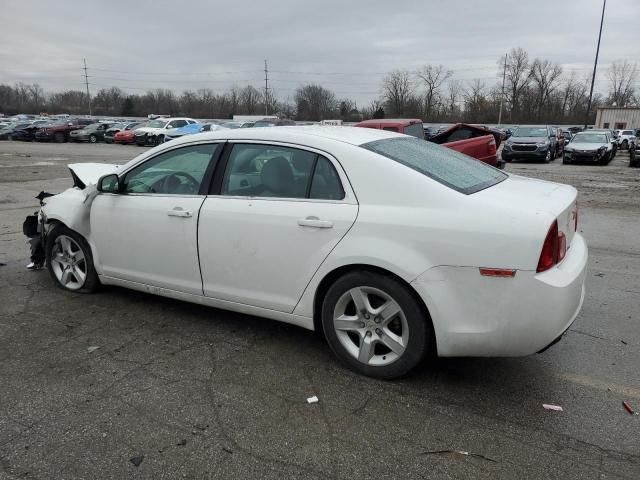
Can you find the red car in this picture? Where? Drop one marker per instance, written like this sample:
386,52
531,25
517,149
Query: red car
124,137
408,126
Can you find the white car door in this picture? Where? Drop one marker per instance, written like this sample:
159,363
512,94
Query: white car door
148,233
277,213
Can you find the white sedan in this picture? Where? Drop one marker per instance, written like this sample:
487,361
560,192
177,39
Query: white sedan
393,247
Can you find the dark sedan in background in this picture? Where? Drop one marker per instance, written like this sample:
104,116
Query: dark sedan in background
91,133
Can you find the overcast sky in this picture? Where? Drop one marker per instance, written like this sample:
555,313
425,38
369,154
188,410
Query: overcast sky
346,46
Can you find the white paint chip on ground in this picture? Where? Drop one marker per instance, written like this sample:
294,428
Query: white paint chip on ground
313,399
547,406
92,349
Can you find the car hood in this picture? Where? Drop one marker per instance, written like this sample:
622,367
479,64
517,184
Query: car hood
526,139
89,173
586,146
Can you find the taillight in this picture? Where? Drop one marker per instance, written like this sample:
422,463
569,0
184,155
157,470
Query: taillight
550,249
492,146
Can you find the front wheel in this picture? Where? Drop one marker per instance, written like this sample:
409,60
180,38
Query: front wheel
69,261
625,145
565,160
93,139
375,325
547,157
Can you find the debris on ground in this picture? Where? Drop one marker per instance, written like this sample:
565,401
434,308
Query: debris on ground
623,342
228,450
548,406
182,443
137,460
599,274
628,408
459,452
313,399
92,349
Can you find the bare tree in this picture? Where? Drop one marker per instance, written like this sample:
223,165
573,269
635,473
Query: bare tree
398,90
432,77
454,93
517,77
250,100
623,76
314,102
545,76
475,100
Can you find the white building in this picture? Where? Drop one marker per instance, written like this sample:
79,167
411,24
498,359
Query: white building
618,118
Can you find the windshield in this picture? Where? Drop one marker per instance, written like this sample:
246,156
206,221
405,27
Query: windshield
590,138
157,124
448,167
530,132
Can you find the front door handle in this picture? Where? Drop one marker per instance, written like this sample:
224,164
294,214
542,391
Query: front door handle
179,212
315,222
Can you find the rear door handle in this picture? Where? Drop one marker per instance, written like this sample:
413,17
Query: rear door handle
315,222
179,212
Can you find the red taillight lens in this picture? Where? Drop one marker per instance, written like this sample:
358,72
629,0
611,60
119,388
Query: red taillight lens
550,249
492,146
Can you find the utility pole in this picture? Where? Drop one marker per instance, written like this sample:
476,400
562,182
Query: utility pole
266,89
86,82
504,76
595,65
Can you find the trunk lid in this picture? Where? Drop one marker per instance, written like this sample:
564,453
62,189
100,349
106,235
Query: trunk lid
523,194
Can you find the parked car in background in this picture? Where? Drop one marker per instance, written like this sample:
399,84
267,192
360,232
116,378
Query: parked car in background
634,155
560,142
91,133
239,124
612,139
5,132
153,132
407,126
273,122
476,141
589,146
567,136
118,127
626,138
531,143
386,241
27,133
60,131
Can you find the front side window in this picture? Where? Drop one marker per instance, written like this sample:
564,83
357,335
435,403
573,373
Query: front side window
176,172
448,167
282,172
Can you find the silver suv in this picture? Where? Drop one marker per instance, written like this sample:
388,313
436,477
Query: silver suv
626,138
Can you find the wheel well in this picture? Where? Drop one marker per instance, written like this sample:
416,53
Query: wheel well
332,276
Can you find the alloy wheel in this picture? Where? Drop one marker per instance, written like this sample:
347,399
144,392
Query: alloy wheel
371,326
68,263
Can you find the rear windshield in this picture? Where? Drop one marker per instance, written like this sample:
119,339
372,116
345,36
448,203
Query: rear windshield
448,167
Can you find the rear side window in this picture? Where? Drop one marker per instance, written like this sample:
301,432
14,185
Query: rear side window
448,167
390,129
415,130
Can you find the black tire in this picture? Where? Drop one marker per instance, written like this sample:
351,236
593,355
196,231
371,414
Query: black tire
91,282
60,137
159,140
548,156
418,324
93,139
565,160
624,145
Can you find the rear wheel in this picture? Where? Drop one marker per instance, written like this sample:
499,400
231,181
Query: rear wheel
625,144
69,261
93,139
375,325
565,160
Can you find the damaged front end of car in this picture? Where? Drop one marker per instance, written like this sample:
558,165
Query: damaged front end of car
70,207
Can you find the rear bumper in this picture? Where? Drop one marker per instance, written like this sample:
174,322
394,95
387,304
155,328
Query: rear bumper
491,317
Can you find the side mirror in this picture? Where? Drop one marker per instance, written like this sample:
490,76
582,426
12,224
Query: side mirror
109,184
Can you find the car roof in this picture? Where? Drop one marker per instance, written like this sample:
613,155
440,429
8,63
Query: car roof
304,135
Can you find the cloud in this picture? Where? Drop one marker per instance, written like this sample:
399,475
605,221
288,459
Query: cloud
346,46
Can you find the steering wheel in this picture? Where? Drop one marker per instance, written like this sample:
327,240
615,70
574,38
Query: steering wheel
172,182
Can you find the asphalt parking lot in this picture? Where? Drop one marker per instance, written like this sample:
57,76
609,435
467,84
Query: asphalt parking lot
192,392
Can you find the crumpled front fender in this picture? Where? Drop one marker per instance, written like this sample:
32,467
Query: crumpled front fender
71,207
